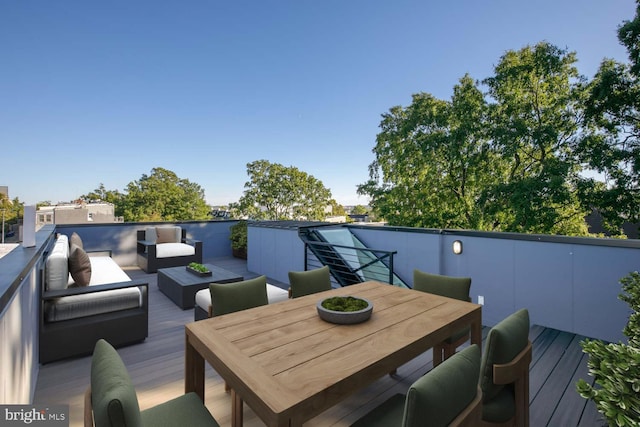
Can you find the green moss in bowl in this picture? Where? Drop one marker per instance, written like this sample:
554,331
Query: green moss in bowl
345,304
344,310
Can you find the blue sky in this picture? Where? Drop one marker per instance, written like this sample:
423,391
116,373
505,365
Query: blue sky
102,92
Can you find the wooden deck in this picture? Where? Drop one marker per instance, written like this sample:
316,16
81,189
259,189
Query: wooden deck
157,370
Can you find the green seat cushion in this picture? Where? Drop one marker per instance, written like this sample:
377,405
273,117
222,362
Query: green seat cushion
388,414
236,296
451,287
440,395
501,408
113,397
309,282
186,410
504,342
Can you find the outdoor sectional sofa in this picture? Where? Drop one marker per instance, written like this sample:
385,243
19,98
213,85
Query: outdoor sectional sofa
81,304
166,246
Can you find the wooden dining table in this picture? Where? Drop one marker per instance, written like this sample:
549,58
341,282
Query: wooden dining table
289,365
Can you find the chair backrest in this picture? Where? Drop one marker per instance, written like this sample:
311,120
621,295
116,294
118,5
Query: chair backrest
446,286
448,394
231,297
309,282
113,399
505,363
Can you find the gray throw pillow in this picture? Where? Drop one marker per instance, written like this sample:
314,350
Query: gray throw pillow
79,266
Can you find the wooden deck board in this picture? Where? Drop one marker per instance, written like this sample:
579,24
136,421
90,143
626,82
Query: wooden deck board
156,367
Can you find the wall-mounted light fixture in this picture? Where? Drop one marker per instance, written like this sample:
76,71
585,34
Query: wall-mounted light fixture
457,247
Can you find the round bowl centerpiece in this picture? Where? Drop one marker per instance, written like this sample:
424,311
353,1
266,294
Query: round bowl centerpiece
344,310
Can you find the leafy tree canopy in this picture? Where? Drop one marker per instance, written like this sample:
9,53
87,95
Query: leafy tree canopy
11,209
110,196
611,145
277,192
495,161
161,196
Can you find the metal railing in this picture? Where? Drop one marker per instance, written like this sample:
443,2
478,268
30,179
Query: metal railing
349,264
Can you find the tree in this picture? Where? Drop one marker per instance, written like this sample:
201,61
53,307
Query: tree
433,161
497,161
276,192
336,208
162,196
359,210
535,123
109,196
611,145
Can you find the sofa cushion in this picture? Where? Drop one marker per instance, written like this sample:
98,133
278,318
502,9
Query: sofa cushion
75,240
150,234
57,265
104,271
168,235
79,266
168,250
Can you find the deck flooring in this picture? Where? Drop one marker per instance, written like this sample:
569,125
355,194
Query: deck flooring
156,367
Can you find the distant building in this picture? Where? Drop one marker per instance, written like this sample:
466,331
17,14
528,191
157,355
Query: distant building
359,217
76,213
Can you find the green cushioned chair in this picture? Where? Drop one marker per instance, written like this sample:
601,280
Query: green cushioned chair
111,399
309,282
447,395
231,297
451,287
237,296
504,372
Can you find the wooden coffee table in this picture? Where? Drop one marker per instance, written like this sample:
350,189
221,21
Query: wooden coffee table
181,286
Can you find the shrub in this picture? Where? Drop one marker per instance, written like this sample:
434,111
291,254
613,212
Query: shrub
616,367
239,235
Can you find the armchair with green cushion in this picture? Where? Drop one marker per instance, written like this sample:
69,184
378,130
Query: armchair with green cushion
446,396
231,297
504,372
309,282
451,287
111,399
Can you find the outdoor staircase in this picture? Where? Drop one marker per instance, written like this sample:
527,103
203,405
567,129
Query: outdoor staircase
349,260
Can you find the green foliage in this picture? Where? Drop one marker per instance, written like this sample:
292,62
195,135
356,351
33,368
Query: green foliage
198,267
359,210
276,192
433,161
162,196
13,210
238,235
110,196
336,208
611,142
616,367
500,161
344,304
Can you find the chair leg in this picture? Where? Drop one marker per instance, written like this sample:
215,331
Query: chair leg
449,350
437,354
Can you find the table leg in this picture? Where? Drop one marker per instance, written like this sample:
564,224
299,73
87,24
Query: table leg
476,331
236,409
193,370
